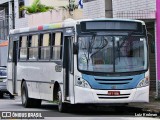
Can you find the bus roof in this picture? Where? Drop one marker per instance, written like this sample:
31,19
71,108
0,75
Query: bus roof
67,23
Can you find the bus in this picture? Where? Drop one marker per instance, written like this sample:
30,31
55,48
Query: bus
87,61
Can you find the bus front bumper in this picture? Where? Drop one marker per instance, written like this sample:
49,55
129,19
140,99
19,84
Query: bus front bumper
85,95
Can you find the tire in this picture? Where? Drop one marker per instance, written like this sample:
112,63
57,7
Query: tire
26,101
11,96
62,107
1,95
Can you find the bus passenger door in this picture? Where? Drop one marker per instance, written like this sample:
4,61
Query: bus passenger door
14,65
68,67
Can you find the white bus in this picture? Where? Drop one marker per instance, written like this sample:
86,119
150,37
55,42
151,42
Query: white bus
91,61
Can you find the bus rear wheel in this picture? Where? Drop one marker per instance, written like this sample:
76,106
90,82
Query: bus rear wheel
62,107
1,95
26,101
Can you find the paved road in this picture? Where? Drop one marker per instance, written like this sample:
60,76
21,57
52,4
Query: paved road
81,112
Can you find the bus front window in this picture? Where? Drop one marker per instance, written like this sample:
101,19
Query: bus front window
112,53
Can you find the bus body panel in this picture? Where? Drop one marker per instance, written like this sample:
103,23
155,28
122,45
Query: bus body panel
40,85
9,77
135,95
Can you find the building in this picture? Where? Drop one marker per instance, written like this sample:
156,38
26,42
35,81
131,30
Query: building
129,9
6,23
6,18
27,20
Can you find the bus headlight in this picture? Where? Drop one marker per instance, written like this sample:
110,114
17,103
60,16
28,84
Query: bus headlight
143,83
81,83
5,80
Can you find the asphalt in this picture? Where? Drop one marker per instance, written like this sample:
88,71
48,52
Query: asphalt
152,107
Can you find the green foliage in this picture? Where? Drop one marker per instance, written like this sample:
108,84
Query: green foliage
72,6
36,7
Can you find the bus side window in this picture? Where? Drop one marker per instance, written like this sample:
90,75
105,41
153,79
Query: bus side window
10,53
23,48
33,47
45,46
57,46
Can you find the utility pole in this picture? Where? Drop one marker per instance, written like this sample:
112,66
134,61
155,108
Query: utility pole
10,16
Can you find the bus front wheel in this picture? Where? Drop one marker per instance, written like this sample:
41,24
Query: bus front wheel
62,107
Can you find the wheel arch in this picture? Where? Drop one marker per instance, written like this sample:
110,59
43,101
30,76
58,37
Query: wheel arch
55,90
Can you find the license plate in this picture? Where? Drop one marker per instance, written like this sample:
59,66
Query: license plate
114,93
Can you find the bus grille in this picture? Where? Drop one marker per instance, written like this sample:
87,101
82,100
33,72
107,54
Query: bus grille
105,96
113,81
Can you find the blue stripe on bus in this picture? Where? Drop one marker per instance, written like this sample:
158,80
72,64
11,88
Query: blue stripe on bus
124,82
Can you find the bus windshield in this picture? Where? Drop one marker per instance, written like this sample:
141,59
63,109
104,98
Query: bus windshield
112,53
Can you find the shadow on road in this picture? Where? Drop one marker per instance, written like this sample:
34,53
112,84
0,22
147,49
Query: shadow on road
77,110
96,110
6,97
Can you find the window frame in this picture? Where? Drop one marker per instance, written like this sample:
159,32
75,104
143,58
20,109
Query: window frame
41,42
61,46
52,33
20,38
29,43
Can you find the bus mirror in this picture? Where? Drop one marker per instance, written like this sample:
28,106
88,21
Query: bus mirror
75,48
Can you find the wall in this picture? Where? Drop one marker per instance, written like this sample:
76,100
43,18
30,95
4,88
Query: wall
136,9
44,18
52,2
52,16
94,9
20,22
